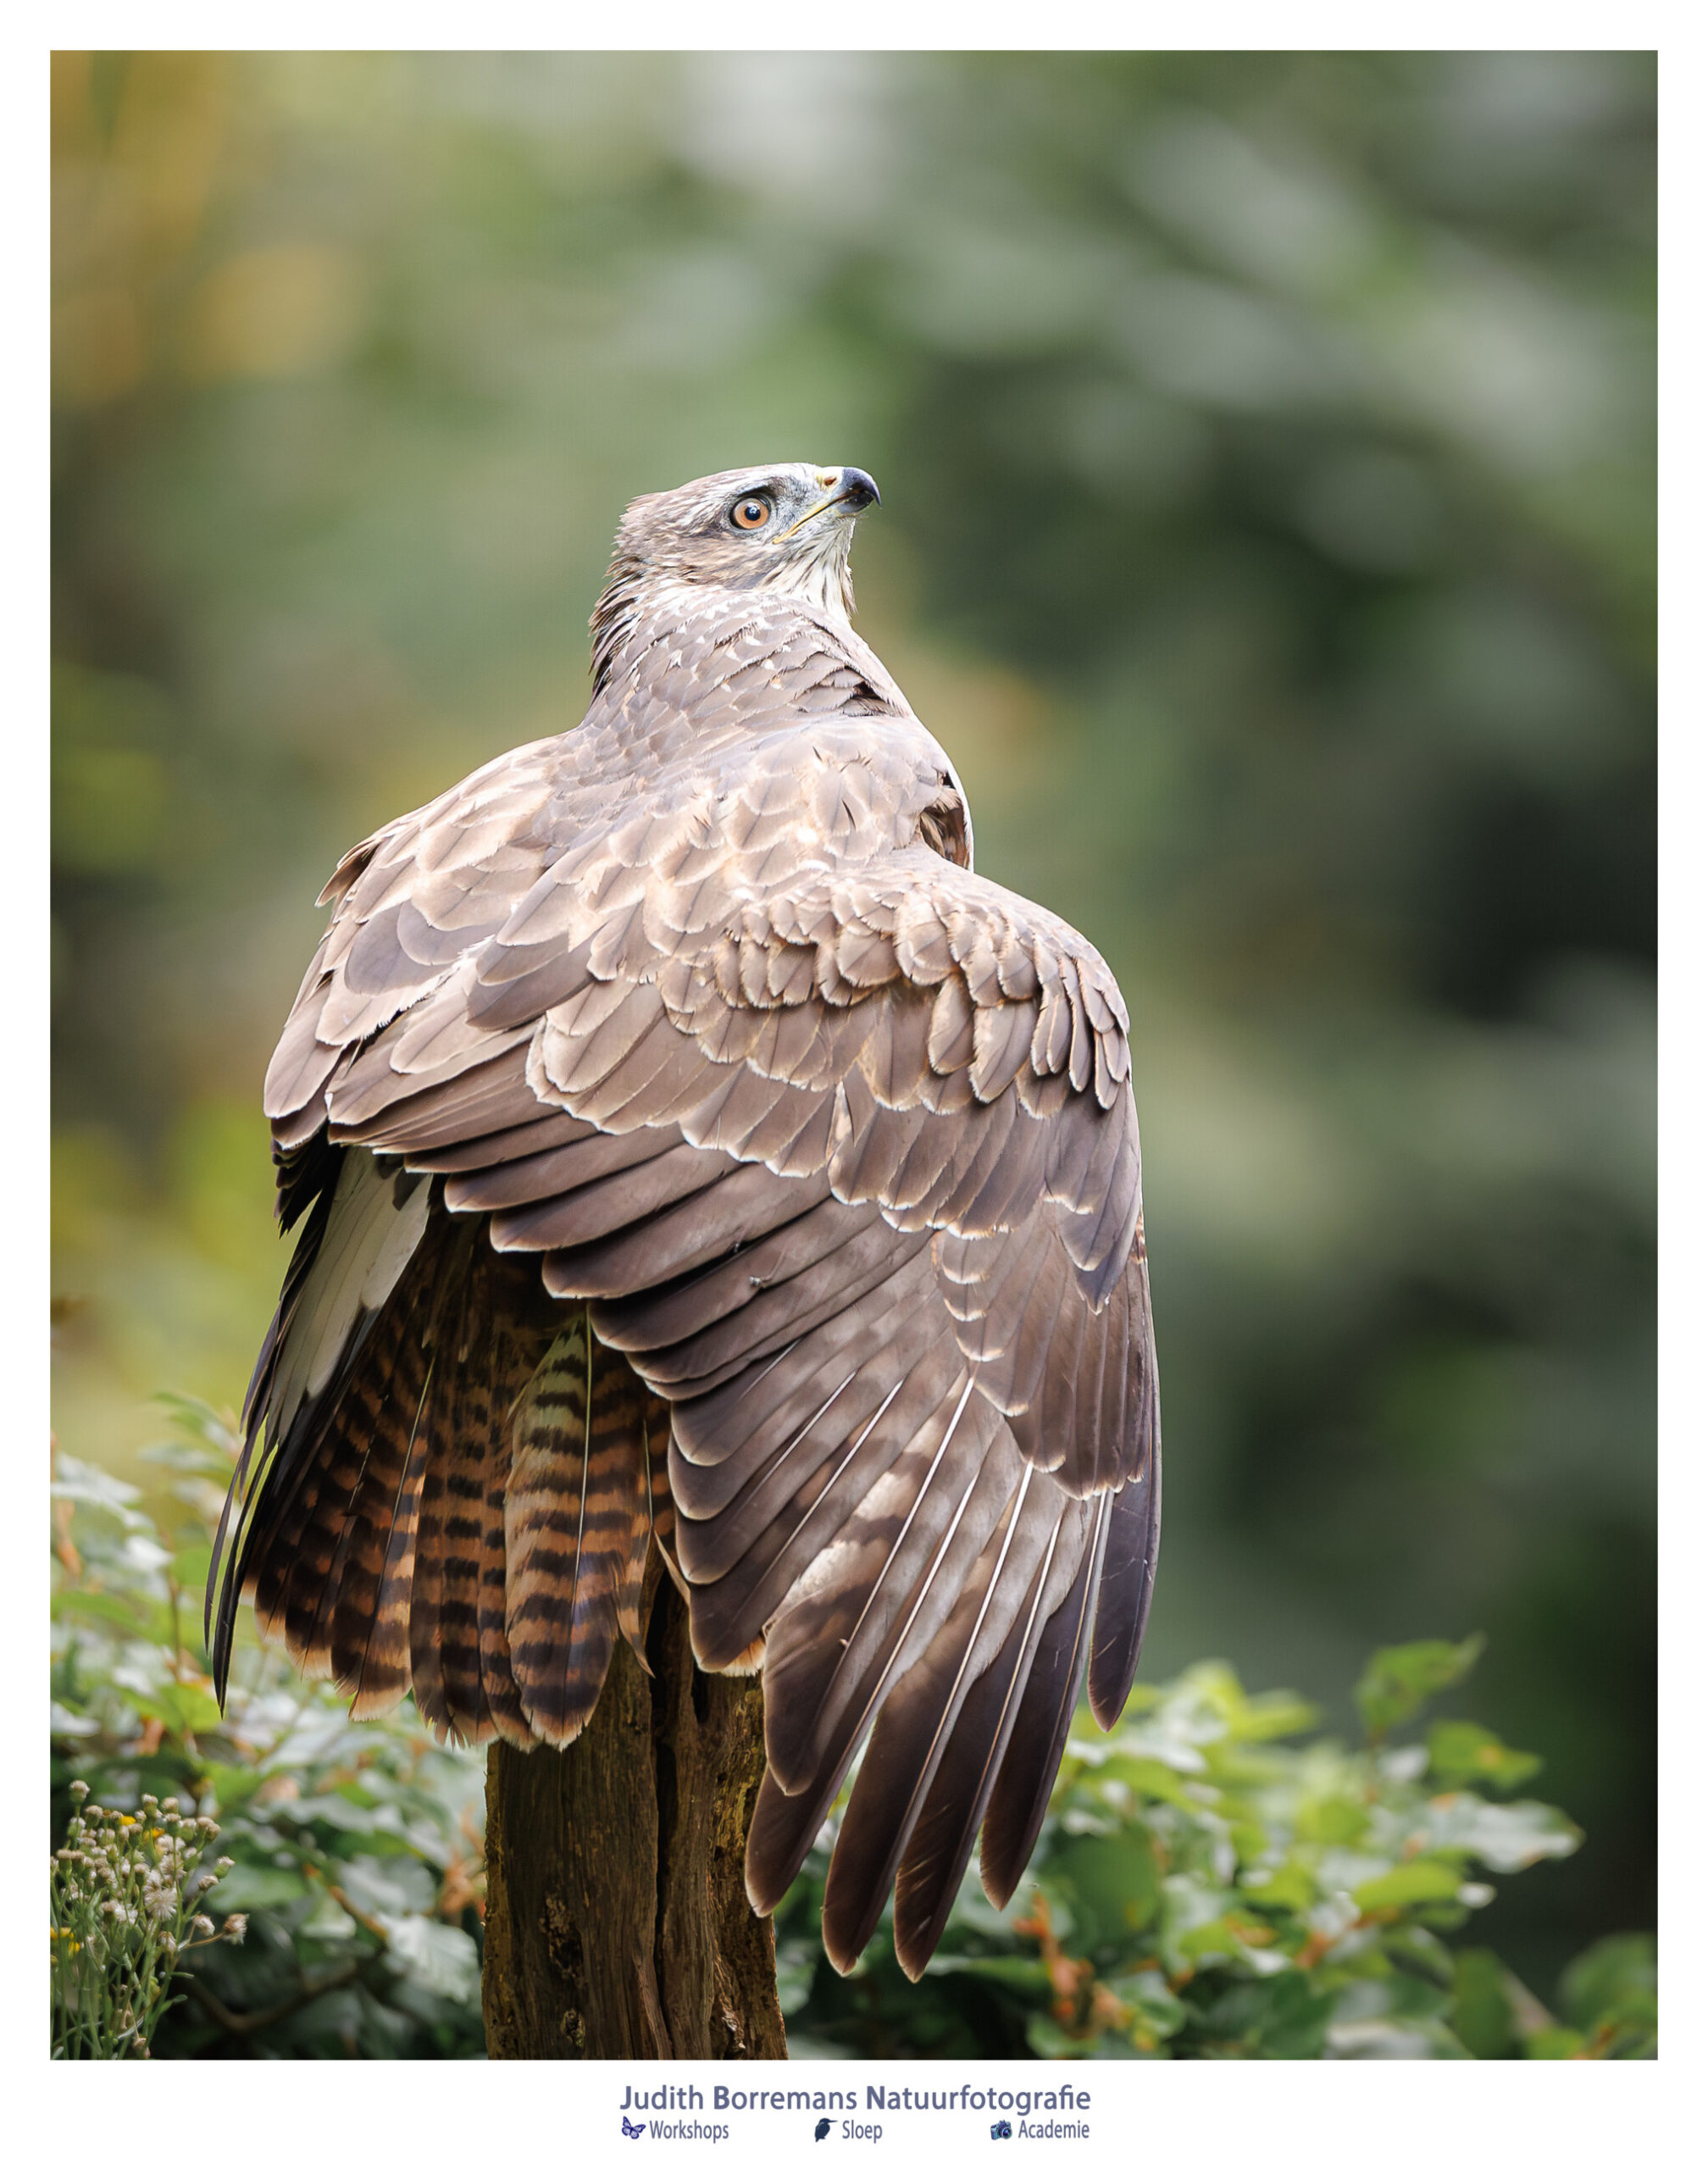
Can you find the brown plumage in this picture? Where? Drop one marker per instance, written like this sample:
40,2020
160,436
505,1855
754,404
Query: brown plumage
689,1147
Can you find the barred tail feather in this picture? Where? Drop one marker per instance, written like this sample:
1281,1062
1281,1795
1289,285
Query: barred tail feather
500,1363
467,1511
382,1677
577,1519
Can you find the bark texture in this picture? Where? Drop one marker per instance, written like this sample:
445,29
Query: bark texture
617,1918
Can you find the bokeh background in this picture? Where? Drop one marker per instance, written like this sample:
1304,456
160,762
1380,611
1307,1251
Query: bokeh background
1266,444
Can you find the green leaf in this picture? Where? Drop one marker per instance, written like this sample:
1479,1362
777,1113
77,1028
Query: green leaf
1482,2011
248,1889
1396,1682
69,1724
1414,1884
1609,1992
1045,2039
1289,1889
1610,1975
441,1958
1144,1774
1274,1717
189,1570
182,1709
1111,1886
1237,1938
1332,1820
1404,2040
1158,2012
1504,1836
204,1433
1409,1948
328,1922
187,1459
1462,1753
97,1605
396,1884
1285,2016
1554,2044
233,1783
1018,1972
87,1486
333,1811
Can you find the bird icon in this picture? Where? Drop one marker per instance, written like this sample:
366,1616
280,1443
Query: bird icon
821,2127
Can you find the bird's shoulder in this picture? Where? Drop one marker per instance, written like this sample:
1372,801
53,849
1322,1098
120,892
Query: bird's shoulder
774,858
748,721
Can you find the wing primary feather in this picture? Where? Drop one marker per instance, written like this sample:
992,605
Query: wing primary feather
777,1459
927,1579
1124,1592
716,1630
785,1824
222,1572
937,1853
861,1873
1021,1795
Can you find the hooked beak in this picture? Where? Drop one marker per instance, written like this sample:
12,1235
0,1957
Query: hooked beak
850,486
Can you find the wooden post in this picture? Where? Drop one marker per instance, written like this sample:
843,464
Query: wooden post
617,1921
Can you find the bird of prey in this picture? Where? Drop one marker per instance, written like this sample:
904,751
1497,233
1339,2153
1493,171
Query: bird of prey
690,1148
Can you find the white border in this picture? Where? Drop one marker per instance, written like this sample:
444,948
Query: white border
639,26
1398,2113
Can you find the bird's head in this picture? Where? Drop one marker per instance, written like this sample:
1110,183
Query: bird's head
787,527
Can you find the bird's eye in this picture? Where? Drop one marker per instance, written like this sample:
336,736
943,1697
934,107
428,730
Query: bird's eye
750,513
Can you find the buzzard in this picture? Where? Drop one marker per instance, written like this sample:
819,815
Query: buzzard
688,1148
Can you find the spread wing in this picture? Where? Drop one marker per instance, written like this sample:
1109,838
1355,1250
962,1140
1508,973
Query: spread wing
837,1140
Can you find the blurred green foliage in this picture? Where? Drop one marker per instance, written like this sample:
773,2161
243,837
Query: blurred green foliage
1208,1882
1395,1683
1202,1889
1267,450
357,1851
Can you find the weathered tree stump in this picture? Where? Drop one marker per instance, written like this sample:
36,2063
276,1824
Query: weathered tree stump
617,1921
